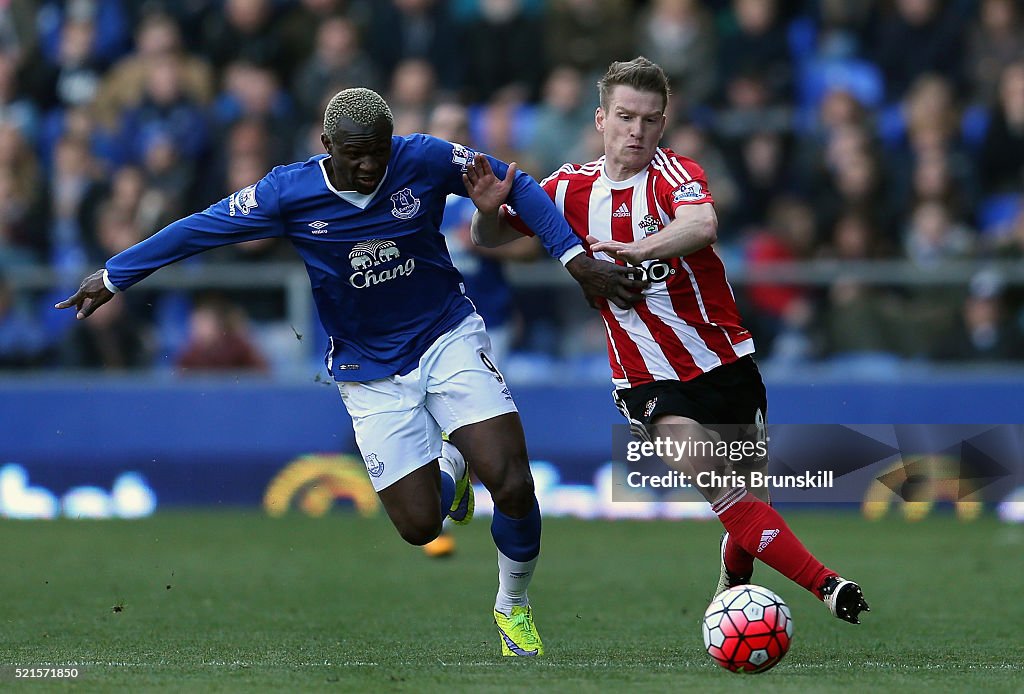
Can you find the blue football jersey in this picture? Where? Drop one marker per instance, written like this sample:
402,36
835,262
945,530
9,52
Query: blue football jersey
383,283
485,279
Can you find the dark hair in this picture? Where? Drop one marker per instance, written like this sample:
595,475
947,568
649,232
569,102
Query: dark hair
640,74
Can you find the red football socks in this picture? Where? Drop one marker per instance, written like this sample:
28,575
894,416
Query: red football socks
738,560
760,532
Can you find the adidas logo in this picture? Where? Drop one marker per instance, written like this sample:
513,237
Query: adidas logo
766,539
623,211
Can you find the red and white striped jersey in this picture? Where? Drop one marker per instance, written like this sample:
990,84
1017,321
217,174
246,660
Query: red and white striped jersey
687,322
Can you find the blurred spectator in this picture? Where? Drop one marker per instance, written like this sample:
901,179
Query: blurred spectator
789,237
18,246
18,29
304,19
337,62
561,118
749,108
498,127
158,43
996,39
507,45
691,140
15,108
114,342
108,32
933,236
680,36
1002,157
254,93
165,110
125,196
219,339
22,339
932,180
245,31
588,34
854,183
74,179
929,159
762,169
1009,243
167,173
589,148
413,89
116,228
916,37
855,238
985,332
72,76
839,121
843,26
860,318
23,231
756,42
189,15
403,29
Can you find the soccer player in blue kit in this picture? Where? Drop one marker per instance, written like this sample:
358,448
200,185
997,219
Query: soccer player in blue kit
406,347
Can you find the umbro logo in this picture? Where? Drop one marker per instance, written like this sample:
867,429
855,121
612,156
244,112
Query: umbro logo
766,539
623,211
319,227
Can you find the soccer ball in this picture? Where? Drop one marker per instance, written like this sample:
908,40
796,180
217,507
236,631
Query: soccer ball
747,629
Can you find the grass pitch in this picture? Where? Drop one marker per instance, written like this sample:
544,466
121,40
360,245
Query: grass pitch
235,601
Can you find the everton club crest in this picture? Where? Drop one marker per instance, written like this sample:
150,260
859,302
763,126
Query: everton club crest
406,205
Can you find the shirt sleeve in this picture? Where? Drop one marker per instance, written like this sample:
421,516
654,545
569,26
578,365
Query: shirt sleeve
512,218
527,198
251,213
683,182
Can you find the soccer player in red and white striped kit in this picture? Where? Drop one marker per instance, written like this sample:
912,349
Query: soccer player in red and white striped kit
681,359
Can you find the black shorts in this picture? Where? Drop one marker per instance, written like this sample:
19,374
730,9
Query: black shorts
729,399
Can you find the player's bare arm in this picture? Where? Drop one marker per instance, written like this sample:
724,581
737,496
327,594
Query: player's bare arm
491,230
695,227
93,290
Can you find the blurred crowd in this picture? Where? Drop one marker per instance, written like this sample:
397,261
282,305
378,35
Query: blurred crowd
829,129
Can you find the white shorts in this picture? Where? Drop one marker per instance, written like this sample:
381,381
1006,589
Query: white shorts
398,420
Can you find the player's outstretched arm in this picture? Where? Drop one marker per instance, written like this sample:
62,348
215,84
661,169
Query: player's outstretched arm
93,290
248,215
598,279
695,227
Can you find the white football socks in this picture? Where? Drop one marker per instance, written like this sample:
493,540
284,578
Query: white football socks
513,580
451,461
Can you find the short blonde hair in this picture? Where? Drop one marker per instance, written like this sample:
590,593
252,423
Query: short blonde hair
360,105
